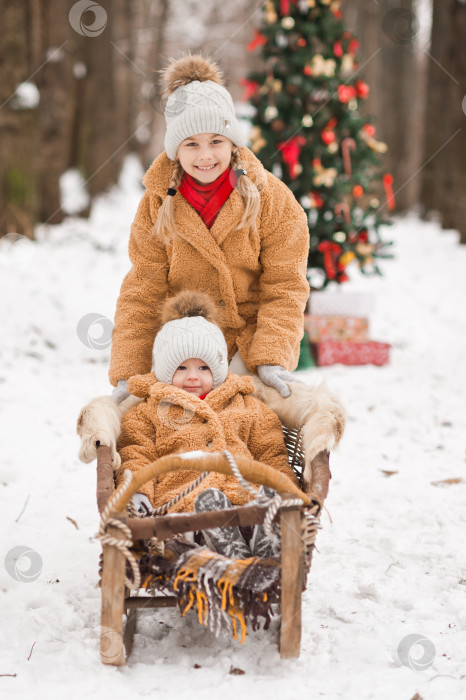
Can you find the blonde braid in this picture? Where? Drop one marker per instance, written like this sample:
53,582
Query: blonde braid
250,194
165,227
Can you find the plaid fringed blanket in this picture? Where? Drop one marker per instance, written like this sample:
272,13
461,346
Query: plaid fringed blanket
226,593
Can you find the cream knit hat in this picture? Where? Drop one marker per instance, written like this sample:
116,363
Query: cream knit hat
190,336
197,103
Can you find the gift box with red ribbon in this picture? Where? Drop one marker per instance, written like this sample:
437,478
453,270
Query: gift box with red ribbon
321,329
349,353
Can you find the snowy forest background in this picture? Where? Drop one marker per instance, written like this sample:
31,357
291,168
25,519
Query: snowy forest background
81,100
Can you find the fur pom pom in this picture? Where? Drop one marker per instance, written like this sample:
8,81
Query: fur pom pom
190,303
183,71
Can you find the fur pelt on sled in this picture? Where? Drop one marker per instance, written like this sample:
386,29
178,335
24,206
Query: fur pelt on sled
312,409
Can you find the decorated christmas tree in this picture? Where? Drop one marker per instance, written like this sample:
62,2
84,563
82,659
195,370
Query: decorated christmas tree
308,131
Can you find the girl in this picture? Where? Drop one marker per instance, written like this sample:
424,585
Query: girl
213,219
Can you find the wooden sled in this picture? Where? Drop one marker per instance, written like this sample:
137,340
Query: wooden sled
299,520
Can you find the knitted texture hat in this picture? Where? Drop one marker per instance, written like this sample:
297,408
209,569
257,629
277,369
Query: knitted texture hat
197,103
189,331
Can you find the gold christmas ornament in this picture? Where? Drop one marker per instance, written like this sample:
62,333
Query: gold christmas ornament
347,257
353,105
277,85
347,64
332,147
377,146
374,203
307,120
322,66
270,13
365,250
325,177
311,3
339,236
257,140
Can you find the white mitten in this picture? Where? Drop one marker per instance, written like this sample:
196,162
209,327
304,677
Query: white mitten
100,421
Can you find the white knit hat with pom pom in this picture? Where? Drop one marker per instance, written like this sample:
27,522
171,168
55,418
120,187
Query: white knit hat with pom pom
190,331
197,103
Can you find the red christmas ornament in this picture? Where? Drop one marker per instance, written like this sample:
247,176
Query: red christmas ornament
307,70
291,151
258,40
369,129
358,191
387,180
362,89
328,137
318,201
353,47
346,93
338,49
302,41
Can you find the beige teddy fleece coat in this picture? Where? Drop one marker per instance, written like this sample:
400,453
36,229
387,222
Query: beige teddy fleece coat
259,278
171,420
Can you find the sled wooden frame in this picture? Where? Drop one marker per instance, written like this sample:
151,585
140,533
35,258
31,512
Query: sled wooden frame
116,637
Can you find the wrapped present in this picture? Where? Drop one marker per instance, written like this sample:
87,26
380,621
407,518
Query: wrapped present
347,353
341,304
321,329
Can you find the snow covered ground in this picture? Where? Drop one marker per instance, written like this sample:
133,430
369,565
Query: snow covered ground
391,561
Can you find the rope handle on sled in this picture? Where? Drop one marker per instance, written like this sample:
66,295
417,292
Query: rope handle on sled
251,470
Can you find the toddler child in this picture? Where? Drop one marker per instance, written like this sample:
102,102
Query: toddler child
191,402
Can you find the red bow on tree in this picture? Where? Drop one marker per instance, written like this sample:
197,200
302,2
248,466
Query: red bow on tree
332,266
285,7
290,151
259,40
388,184
251,88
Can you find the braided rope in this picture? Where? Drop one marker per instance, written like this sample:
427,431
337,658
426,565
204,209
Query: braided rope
275,503
161,510
236,472
122,545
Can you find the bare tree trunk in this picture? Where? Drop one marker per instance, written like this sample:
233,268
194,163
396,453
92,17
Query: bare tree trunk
100,147
444,177
390,64
18,123
55,82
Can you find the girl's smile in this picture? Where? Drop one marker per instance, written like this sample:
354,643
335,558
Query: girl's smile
205,156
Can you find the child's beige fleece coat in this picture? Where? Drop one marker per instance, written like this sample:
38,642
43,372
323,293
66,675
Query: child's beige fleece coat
171,420
259,278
